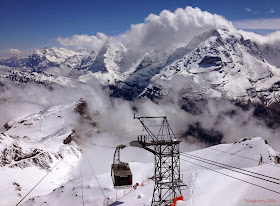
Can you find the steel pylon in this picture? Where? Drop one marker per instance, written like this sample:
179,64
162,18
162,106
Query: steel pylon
166,150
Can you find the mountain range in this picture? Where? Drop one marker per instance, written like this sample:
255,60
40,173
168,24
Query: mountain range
224,63
217,69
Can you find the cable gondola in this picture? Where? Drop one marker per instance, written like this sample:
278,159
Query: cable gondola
120,171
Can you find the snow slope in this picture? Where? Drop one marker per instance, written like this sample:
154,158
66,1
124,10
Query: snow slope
31,146
205,187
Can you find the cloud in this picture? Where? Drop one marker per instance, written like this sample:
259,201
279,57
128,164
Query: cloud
272,39
258,24
14,52
248,9
166,30
84,41
172,29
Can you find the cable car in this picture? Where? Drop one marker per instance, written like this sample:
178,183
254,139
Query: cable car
120,171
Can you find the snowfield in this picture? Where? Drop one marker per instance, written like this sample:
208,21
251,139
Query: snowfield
31,146
205,187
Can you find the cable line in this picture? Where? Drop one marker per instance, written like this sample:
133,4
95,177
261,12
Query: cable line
228,168
104,146
82,185
94,174
180,135
97,180
39,182
243,157
232,177
232,167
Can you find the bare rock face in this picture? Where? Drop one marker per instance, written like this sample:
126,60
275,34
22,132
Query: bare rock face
81,107
274,110
69,138
7,126
16,156
42,138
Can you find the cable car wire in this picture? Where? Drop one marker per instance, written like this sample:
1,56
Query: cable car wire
97,180
94,173
236,155
228,168
39,181
232,177
104,146
82,185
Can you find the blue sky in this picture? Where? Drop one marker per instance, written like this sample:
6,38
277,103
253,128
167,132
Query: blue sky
27,24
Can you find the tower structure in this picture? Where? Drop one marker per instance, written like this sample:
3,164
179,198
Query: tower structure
165,148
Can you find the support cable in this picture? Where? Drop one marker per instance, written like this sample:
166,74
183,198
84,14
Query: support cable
232,177
248,158
94,174
232,166
39,181
82,185
97,180
228,168
240,156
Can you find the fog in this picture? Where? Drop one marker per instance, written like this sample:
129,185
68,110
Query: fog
114,118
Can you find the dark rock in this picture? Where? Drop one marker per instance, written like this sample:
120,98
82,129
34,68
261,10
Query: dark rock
7,126
81,107
209,136
209,60
68,139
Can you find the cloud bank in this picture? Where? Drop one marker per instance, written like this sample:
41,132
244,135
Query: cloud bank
268,44
169,30
166,30
84,41
172,29
272,39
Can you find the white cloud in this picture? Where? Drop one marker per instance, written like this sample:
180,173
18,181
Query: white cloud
172,29
14,52
272,55
84,41
248,9
166,30
272,39
264,24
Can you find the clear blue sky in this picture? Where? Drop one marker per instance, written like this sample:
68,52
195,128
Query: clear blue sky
27,24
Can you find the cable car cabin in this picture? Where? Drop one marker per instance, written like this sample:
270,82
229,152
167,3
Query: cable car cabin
120,171
121,174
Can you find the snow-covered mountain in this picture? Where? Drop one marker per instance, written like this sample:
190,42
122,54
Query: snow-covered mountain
222,61
218,64
31,146
223,64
